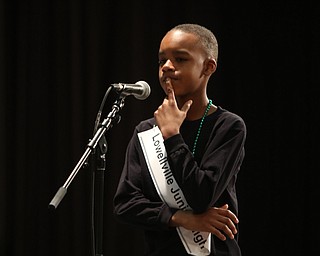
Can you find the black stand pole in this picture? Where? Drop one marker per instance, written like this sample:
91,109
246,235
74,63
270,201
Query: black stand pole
98,138
98,168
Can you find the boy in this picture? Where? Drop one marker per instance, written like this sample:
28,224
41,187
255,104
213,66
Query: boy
181,191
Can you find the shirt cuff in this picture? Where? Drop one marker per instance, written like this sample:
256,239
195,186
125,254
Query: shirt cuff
173,143
166,214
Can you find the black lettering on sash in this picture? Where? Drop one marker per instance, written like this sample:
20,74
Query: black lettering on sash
198,238
156,143
178,199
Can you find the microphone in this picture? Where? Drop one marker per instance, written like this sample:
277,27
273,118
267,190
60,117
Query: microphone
140,90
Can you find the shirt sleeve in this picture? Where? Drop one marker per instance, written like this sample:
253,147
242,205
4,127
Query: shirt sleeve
203,184
136,201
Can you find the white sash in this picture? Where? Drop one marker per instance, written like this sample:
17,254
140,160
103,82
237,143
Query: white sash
195,242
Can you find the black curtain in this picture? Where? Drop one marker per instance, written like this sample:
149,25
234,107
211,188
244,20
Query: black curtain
57,59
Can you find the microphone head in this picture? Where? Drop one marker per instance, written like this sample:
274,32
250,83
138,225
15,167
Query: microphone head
146,90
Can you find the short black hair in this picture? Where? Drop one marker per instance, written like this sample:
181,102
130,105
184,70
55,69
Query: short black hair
206,37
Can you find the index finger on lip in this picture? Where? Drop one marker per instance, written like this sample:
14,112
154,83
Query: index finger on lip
169,88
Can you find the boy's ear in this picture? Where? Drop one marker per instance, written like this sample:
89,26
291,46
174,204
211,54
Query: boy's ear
210,66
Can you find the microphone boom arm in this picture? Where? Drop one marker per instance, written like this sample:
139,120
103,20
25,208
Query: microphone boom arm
105,125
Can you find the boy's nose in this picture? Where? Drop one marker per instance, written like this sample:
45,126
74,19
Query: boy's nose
168,66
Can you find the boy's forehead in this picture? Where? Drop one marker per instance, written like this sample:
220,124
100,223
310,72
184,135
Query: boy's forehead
177,39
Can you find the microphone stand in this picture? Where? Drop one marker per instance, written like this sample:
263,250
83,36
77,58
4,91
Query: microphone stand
98,170
98,138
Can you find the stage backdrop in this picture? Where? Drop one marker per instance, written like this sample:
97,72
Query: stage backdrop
57,59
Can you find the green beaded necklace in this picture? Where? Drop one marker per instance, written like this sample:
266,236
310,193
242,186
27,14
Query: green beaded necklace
200,126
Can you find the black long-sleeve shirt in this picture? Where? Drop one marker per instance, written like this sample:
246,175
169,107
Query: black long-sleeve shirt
207,179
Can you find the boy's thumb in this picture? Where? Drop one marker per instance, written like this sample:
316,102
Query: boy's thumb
186,106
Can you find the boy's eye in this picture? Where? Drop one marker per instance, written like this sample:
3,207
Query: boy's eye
177,60
180,59
161,62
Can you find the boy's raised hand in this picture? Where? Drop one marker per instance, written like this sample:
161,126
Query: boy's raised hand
168,116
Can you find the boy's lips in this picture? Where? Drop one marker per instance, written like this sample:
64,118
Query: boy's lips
168,78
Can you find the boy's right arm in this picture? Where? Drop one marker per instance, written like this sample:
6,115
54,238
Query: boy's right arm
218,221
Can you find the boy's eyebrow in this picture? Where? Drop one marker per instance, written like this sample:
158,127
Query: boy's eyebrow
175,52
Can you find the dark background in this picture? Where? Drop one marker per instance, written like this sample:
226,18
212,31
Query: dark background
57,59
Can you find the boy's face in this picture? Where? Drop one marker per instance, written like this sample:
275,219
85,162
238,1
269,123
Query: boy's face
182,59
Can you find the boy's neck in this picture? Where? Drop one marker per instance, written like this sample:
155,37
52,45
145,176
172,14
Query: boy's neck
198,109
